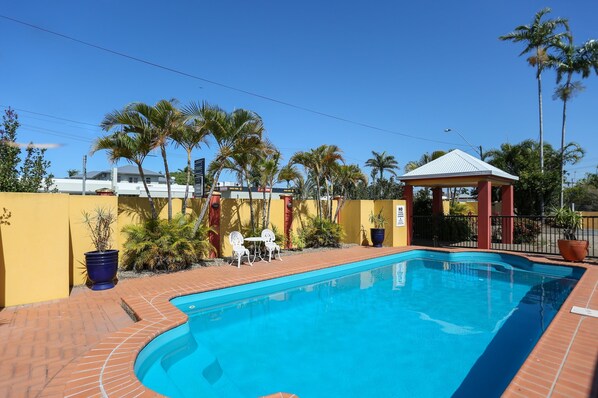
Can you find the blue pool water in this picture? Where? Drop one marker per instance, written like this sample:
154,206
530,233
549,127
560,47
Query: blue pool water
417,324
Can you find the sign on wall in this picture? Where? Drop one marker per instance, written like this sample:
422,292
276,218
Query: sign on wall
198,174
400,216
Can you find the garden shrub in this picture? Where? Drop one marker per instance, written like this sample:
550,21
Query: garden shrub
454,229
160,245
526,231
321,233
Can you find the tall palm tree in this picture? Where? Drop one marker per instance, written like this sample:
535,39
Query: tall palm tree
379,163
133,147
329,157
235,132
568,61
288,173
382,162
167,121
347,176
268,167
191,136
539,37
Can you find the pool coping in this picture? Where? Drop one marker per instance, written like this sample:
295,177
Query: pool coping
561,364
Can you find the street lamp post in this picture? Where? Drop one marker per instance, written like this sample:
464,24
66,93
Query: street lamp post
478,149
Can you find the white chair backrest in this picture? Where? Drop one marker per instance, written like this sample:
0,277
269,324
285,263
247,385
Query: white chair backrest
268,235
235,238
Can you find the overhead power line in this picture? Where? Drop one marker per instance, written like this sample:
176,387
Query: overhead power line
53,117
192,76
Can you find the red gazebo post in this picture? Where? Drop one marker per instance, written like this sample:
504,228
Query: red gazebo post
507,210
214,220
408,197
288,219
484,212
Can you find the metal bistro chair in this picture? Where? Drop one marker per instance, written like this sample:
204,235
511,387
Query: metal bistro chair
236,240
271,246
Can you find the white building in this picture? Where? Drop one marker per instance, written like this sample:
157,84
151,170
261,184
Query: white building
126,184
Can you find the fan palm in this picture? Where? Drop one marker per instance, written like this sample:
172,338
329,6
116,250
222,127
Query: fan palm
539,37
568,61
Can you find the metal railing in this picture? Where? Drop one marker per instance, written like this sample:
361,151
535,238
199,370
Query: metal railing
441,230
536,234
531,234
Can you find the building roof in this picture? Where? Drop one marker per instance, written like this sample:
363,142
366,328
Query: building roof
457,164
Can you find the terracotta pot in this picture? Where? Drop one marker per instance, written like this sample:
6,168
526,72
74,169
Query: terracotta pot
573,250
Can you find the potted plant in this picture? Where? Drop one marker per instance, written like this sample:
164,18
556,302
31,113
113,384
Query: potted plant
101,263
570,247
377,233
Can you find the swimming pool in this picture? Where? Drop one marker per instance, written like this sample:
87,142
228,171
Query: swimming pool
420,323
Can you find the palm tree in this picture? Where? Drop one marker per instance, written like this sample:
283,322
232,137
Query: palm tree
194,133
347,176
379,163
539,37
382,162
568,61
268,173
234,133
133,147
288,173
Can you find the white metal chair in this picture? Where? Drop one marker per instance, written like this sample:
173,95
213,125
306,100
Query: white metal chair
236,240
271,246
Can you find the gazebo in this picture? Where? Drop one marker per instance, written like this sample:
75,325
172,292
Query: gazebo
459,169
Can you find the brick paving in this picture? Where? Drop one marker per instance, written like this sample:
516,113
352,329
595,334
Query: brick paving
85,346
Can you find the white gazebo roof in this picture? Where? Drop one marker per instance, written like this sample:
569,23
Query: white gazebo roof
457,164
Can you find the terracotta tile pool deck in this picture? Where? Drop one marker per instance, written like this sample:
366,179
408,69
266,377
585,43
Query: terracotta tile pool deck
85,345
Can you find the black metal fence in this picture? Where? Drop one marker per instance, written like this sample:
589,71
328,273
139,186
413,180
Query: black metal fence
441,230
536,234
531,234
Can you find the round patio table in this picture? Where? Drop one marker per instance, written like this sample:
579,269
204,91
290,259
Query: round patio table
256,242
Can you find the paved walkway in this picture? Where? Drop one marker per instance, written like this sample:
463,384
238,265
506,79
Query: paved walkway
85,345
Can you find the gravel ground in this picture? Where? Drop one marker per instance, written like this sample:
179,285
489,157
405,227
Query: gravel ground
218,262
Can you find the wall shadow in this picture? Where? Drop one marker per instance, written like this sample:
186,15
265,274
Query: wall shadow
140,209
301,212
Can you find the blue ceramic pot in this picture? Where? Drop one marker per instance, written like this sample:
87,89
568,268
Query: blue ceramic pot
377,235
101,268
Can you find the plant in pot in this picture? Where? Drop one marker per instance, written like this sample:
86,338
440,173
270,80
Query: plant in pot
570,247
102,263
377,233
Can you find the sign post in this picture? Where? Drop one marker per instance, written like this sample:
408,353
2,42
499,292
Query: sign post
198,175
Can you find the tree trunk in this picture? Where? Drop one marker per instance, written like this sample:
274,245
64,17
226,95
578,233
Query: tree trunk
341,203
147,191
264,208
251,214
188,178
565,98
167,173
204,208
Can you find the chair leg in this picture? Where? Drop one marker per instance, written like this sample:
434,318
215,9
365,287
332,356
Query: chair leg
238,261
278,250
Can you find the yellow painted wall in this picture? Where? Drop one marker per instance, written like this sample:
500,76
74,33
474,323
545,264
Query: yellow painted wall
394,236
235,216
355,221
34,247
43,238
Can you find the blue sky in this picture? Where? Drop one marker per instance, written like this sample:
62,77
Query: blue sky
413,68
